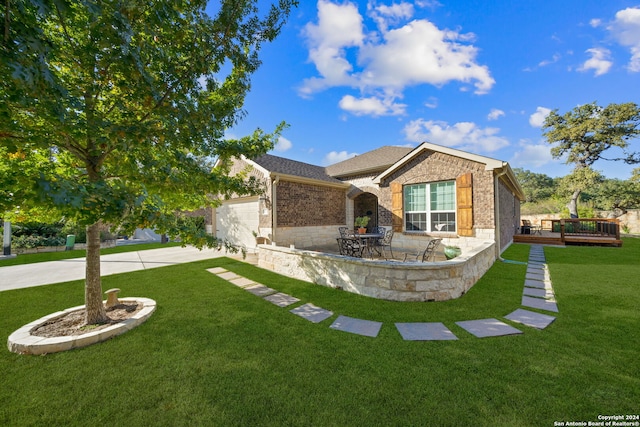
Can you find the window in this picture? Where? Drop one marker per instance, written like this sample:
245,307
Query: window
430,207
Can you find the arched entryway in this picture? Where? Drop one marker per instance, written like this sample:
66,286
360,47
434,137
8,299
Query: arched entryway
366,204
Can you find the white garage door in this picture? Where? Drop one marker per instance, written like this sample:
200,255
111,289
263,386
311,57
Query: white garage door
237,220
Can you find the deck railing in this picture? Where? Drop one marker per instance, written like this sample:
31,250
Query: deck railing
592,227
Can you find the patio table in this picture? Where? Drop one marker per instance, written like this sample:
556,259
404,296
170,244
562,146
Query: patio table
368,242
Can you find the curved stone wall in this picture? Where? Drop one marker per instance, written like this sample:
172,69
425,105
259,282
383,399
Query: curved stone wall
389,280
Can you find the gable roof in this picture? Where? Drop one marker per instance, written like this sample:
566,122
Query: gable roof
293,169
501,168
372,161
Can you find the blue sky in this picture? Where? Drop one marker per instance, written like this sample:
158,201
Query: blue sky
480,76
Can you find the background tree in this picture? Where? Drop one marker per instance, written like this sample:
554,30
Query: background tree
583,134
616,195
536,186
113,111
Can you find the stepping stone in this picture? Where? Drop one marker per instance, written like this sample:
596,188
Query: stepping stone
540,293
367,328
229,275
537,258
216,270
536,269
537,264
541,304
488,328
531,283
531,318
535,276
312,313
281,300
259,290
425,332
242,282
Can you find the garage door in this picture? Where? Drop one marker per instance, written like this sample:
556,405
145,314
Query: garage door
236,221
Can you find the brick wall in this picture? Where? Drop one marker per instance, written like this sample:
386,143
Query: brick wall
509,215
304,205
432,166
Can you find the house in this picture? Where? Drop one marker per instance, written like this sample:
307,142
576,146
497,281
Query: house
423,192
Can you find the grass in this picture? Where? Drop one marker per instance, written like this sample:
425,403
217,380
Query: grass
80,253
213,354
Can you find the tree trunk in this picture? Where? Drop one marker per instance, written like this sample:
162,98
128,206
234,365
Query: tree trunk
96,312
573,204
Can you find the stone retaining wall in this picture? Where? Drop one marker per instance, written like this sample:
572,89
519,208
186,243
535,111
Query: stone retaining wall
389,280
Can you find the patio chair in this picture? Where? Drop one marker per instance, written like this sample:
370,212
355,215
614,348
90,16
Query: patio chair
528,228
429,252
385,242
350,247
344,232
378,230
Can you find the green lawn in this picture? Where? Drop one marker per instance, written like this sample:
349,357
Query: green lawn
214,354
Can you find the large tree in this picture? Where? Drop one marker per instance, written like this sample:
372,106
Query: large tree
583,135
536,186
113,111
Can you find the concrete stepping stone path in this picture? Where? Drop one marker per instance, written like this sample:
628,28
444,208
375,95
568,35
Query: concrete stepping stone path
260,290
488,328
537,293
425,332
530,318
281,300
539,303
368,328
312,313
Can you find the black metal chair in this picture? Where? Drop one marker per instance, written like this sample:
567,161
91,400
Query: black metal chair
350,247
385,242
344,232
378,230
429,252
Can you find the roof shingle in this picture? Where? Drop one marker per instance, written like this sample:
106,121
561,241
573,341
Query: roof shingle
376,160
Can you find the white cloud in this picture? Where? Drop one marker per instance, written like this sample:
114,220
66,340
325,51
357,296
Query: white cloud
599,61
432,102
463,135
385,15
555,58
595,22
393,57
495,114
371,106
626,29
339,27
532,155
421,53
537,119
335,157
283,144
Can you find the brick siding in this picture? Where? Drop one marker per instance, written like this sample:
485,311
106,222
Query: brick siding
303,205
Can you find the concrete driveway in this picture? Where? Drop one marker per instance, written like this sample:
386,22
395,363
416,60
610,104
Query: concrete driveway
45,273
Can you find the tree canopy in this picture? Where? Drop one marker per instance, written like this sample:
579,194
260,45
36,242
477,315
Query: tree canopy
583,135
114,111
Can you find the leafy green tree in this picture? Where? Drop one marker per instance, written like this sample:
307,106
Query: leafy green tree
583,135
113,111
616,195
536,186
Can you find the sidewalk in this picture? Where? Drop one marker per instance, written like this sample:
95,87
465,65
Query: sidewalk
45,273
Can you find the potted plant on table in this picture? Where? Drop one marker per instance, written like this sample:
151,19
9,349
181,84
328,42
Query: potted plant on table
361,222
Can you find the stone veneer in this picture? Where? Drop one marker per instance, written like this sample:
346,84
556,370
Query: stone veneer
389,280
306,236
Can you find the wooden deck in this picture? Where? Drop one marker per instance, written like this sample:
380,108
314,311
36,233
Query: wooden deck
589,231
